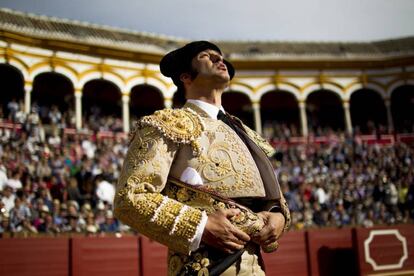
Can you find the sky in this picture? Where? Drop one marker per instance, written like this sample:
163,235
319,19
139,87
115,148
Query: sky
240,20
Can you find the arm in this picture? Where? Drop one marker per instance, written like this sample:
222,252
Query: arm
139,202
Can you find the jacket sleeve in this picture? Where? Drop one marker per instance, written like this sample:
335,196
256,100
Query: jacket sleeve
282,207
139,202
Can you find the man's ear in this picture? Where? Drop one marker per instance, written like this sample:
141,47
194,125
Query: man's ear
185,77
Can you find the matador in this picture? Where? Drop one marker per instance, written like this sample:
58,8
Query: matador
204,146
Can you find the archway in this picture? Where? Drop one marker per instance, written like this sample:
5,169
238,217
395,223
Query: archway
402,108
325,112
102,106
145,100
280,114
239,105
12,92
368,112
52,91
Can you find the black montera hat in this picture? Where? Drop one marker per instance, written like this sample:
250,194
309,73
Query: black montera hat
178,61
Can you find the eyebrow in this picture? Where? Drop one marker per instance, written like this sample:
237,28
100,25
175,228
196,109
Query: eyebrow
210,51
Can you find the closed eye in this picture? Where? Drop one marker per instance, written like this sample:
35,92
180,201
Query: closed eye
204,54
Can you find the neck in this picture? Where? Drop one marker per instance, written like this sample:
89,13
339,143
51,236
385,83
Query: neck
211,96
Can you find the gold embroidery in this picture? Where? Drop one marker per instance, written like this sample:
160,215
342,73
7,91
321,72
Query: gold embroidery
285,211
259,140
196,266
205,262
175,265
182,195
140,148
187,223
182,126
136,181
203,272
168,213
220,171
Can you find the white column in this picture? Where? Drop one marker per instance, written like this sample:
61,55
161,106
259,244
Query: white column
125,111
348,120
27,97
168,102
257,117
78,108
303,118
389,115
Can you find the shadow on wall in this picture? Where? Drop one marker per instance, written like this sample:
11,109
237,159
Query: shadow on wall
337,261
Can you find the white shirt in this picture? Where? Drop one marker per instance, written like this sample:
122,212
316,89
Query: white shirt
321,195
8,202
14,183
3,179
208,108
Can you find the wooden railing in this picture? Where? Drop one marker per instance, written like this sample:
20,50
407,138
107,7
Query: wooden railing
347,251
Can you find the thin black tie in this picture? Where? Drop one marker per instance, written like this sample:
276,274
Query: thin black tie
223,117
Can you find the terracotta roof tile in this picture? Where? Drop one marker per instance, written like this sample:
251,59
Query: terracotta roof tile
80,32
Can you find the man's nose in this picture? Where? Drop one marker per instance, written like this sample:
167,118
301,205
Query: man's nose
217,59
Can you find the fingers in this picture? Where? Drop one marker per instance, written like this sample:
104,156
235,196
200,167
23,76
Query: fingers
220,233
228,213
240,235
230,247
270,241
267,235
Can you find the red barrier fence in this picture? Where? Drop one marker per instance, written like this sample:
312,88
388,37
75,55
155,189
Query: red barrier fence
291,258
373,251
331,252
154,257
35,256
385,250
105,256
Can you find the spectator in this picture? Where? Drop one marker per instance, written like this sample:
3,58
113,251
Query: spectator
5,228
18,214
14,181
54,115
110,225
8,198
3,177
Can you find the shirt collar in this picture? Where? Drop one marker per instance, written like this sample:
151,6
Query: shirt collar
208,108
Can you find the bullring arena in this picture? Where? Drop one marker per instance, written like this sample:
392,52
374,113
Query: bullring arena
340,115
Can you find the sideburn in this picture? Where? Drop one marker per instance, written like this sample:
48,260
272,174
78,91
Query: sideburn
193,73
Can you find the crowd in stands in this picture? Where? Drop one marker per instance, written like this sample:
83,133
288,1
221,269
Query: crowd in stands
53,183
347,183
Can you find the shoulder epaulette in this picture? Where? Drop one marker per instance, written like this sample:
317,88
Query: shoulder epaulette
181,126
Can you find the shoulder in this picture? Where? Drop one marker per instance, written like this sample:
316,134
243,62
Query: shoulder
182,126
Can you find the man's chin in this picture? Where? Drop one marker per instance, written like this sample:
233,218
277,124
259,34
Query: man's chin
225,78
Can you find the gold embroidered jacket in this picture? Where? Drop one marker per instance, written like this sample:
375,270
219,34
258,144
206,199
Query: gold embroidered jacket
168,142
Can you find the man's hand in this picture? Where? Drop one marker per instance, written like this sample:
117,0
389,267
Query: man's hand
271,232
221,234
